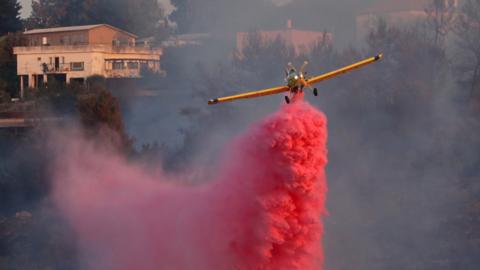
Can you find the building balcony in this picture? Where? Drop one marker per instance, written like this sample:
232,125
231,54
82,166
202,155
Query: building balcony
131,68
123,73
50,68
102,48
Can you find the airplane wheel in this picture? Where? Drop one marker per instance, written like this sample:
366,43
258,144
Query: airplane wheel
315,91
287,100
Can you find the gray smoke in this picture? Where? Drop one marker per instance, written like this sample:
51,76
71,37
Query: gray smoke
403,147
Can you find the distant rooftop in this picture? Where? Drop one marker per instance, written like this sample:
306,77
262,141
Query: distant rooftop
72,29
184,39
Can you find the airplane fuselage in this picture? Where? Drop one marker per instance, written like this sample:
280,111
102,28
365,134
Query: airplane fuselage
296,81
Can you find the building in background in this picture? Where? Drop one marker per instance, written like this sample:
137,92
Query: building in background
68,54
301,40
193,39
394,12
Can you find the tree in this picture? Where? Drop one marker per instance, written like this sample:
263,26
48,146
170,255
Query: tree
8,65
102,119
260,54
322,55
53,13
9,16
440,16
141,17
415,70
467,29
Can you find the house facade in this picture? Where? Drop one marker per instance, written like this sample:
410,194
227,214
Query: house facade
72,54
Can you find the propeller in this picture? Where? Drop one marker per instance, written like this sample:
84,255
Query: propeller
302,69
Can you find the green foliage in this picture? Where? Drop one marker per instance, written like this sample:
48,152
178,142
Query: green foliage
141,17
100,109
24,160
8,65
93,103
9,16
101,118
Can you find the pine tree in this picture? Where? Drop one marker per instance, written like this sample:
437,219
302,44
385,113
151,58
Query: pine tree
54,13
9,16
141,17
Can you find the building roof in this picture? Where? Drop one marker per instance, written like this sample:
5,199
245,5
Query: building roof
73,29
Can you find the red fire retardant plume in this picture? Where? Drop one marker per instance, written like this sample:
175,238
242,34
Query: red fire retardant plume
263,211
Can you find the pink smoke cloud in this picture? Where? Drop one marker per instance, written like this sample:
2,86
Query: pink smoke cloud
262,211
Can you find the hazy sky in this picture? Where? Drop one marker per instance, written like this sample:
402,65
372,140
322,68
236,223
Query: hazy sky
26,7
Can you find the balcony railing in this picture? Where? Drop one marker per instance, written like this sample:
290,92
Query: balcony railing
51,68
89,48
123,73
129,68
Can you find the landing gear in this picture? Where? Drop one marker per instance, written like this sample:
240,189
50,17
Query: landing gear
287,100
315,91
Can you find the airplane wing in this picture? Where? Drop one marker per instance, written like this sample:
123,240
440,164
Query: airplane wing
265,92
280,89
346,69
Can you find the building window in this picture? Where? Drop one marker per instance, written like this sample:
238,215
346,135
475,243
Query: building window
66,39
132,65
79,39
77,66
44,41
118,65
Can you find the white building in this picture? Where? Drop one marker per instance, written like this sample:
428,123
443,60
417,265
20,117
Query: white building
68,54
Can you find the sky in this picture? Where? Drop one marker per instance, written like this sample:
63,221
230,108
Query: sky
26,7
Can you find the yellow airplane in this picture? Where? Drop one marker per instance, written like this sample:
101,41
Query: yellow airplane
296,81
